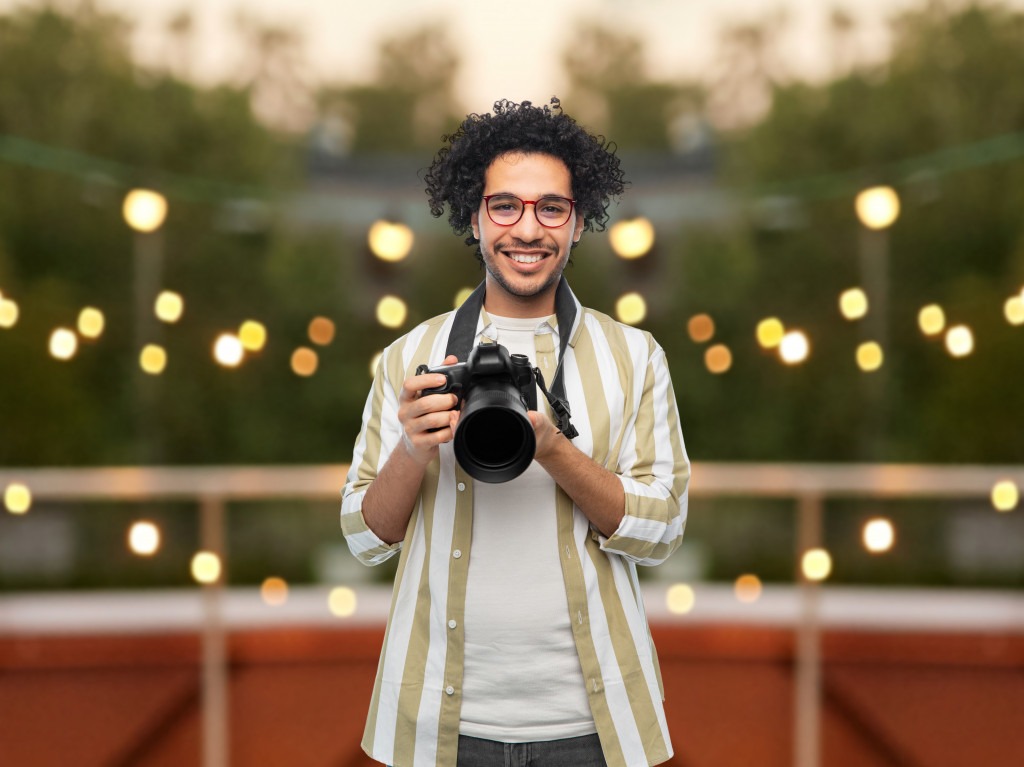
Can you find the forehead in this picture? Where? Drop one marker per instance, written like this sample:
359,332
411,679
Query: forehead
528,175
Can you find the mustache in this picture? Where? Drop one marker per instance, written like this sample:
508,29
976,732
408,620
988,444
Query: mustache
517,244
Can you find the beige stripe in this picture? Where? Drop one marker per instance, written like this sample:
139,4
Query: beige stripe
626,654
644,430
593,394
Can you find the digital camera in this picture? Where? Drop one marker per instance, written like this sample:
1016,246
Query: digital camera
494,440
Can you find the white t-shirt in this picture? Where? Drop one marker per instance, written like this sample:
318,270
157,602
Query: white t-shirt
523,681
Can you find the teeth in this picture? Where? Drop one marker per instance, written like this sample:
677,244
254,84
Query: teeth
525,259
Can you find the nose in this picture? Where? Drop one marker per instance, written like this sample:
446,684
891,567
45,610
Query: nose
528,228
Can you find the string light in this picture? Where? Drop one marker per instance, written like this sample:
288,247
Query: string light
931,319
631,238
153,359
794,347
718,358
342,602
1005,495
959,341
274,591
253,335
853,303
90,322
1013,310
8,313
374,362
878,535
747,588
878,207
869,356
17,498
701,328
206,567
816,564
391,312
228,350
144,210
770,332
169,306
321,331
680,598
63,344
144,538
631,308
390,241
304,361
461,296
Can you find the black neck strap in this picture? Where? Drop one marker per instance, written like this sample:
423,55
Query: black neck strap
463,337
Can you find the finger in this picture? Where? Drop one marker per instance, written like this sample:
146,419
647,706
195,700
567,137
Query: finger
412,387
451,359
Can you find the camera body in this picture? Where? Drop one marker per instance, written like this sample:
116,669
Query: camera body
494,439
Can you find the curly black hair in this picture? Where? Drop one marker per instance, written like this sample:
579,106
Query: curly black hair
456,176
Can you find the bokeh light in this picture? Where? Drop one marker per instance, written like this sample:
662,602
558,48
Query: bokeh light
375,361
391,312
63,344
680,598
304,361
228,350
253,335
206,567
274,591
747,588
144,538
8,313
931,319
153,359
631,308
390,240
631,238
794,347
342,602
959,341
17,498
816,564
1013,310
169,306
718,358
770,332
701,328
461,296
853,303
878,207
870,356
321,331
878,535
144,210
1005,495
90,322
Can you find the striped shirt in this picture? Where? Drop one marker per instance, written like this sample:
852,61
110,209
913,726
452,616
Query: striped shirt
617,383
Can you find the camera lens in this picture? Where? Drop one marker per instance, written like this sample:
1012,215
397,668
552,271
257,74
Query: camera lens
494,440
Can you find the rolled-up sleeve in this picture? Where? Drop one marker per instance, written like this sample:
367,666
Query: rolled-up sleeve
655,474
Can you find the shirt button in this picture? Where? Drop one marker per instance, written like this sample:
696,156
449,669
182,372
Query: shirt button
457,553
451,624
462,486
449,690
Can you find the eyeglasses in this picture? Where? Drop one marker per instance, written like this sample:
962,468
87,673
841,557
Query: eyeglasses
507,209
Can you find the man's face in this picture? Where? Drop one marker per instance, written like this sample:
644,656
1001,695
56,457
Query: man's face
525,261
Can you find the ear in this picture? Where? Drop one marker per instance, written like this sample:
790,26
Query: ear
577,231
474,221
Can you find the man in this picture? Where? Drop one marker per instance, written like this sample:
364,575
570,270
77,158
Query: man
517,632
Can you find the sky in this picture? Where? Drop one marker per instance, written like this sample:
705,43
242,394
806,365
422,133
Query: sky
508,50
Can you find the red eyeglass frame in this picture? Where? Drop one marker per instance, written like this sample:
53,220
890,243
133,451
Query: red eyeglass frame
572,207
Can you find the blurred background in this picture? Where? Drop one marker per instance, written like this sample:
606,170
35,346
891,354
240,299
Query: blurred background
212,220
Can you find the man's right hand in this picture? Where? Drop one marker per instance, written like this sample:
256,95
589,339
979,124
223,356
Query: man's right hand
427,420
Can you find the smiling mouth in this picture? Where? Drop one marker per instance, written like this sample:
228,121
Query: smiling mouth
522,258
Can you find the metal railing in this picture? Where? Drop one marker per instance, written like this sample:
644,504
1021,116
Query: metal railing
808,485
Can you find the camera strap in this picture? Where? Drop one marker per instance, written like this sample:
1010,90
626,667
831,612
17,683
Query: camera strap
463,335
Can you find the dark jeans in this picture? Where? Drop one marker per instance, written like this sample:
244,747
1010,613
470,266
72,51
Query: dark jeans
584,751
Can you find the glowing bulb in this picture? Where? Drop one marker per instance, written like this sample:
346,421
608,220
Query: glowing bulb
794,347
816,564
747,588
17,498
169,306
869,356
228,350
770,332
90,322
390,241
274,591
321,331
680,598
206,567
718,358
1005,495
1013,309
253,335
853,303
144,538
461,296
931,319
8,313
878,207
631,238
631,308
304,361
391,312
144,210
153,359
342,602
878,535
701,328
63,344
959,341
